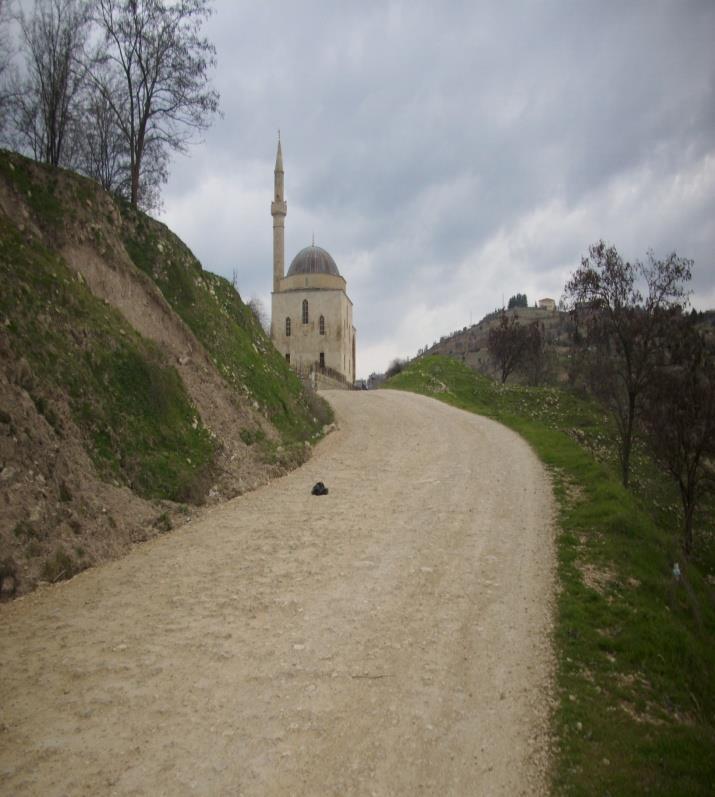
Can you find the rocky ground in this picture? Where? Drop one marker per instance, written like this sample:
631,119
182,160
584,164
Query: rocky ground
391,637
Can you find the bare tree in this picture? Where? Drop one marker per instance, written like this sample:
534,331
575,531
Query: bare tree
45,99
6,52
679,415
507,344
536,360
102,152
161,62
622,327
258,309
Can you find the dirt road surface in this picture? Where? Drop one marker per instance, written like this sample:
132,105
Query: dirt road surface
391,638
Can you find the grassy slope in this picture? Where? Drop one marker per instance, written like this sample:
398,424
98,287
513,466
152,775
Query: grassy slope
208,304
226,327
136,419
636,678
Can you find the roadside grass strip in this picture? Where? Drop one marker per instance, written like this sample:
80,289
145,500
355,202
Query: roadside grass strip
635,645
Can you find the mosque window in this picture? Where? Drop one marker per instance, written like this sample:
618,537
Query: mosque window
322,325
305,311
322,359
288,358
287,326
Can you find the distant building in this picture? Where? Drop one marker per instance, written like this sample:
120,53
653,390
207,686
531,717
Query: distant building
311,313
547,304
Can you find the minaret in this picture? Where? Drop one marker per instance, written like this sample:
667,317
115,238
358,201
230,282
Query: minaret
279,208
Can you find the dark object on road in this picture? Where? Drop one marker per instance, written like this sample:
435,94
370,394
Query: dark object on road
319,489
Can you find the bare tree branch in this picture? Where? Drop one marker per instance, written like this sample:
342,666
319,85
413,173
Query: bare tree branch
45,99
156,49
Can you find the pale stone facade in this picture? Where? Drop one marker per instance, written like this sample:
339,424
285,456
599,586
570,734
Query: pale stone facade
311,313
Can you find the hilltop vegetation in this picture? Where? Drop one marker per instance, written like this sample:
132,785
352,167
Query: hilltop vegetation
636,659
133,383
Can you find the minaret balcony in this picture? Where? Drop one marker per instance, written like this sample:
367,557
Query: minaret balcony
279,208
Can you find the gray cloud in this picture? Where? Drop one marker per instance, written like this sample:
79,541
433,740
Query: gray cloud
447,154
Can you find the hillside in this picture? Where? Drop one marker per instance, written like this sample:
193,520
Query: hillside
469,345
133,383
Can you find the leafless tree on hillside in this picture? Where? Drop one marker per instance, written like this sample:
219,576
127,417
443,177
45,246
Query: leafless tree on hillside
507,344
537,360
258,309
102,151
158,91
45,99
102,155
6,52
679,415
620,329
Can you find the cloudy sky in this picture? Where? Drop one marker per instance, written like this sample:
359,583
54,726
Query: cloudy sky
451,154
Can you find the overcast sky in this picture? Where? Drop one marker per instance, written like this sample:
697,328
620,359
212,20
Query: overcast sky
451,154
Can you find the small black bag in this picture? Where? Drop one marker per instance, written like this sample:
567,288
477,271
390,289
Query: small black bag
319,489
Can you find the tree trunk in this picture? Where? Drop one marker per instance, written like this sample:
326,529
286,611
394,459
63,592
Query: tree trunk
689,501
627,442
135,184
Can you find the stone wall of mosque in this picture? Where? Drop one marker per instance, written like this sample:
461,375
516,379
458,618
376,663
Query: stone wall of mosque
309,343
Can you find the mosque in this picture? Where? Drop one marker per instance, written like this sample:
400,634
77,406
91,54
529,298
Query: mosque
311,313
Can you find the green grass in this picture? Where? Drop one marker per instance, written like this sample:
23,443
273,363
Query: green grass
227,328
636,671
37,183
130,405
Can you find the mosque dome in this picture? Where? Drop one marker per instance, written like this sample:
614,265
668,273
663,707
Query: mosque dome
313,260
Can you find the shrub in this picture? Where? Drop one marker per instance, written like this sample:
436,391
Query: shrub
396,367
59,566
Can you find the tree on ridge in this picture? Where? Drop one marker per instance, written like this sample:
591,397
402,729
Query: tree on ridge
43,103
623,328
679,416
161,96
507,344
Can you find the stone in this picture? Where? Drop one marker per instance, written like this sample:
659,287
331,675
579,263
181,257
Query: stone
7,473
8,586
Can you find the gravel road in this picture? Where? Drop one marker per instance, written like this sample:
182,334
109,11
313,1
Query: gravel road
390,638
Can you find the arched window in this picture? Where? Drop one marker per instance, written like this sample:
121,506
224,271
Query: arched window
288,358
322,359
287,326
305,311
322,324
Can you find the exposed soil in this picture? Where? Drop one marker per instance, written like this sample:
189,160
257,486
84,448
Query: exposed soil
392,637
51,496
113,278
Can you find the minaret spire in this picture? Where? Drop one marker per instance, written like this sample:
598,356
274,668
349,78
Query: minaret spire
279,209
279,155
